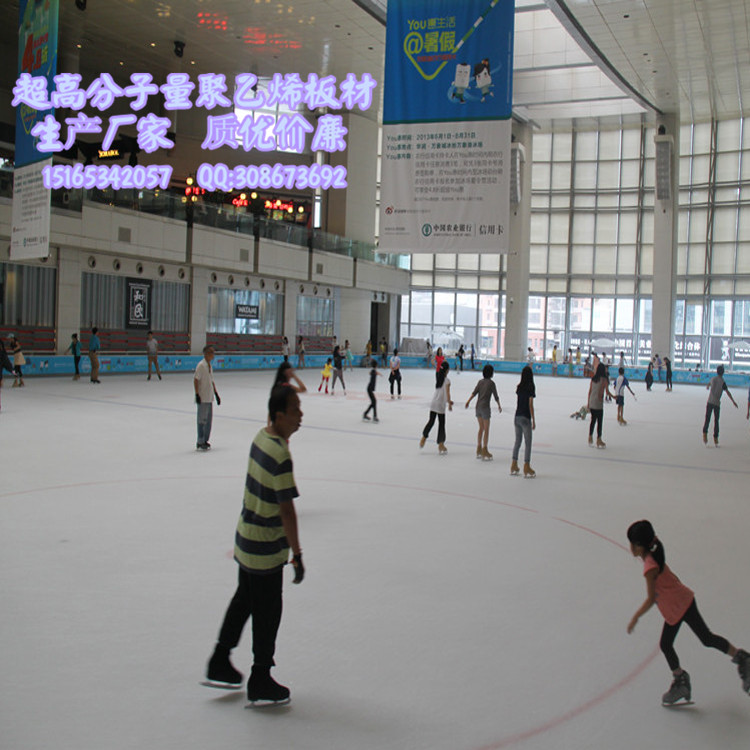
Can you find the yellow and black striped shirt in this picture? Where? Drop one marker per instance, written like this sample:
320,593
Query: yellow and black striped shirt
260,545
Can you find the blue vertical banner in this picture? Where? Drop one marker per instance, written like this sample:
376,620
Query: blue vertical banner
446,126
37,57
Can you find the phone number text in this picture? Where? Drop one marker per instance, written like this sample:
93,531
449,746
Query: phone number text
74,176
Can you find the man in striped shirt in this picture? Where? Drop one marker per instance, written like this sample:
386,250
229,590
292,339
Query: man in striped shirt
266,531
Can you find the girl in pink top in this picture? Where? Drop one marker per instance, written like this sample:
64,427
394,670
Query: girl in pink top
676,602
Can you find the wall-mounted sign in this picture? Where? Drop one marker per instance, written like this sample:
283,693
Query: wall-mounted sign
250,312
138,303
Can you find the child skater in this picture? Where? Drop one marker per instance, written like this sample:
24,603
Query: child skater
524,422
326,374
440,399
485,389
597,388
371,392
620,385
676,602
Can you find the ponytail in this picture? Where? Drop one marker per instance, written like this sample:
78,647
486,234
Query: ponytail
441,375
642,533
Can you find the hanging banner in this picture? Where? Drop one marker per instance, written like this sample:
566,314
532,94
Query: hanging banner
138,303
446,126
37,64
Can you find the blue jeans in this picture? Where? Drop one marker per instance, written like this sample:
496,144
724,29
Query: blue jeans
523,432
205,415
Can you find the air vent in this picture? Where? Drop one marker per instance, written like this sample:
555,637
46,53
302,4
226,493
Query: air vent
91,261
230,279
247,281
244,255
319,268
139,267
116,265
181,273
123,234
162,270
213,278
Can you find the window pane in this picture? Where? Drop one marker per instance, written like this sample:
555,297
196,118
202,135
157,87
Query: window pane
421,307
624,317
580,314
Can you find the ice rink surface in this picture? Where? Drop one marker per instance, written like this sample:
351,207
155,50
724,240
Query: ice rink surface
447,605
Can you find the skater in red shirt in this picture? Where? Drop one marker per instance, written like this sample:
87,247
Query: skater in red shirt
676,602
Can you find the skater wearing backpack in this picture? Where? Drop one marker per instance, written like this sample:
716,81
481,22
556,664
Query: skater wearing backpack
676,602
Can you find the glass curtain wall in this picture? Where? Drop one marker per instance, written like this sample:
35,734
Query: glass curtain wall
222,311
591,252
103,303
315,316
27,295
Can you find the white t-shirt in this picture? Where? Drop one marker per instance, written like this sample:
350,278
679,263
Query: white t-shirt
440,398
152,346
620,385
395,363
205,377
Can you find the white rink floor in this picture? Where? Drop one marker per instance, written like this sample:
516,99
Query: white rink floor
447,606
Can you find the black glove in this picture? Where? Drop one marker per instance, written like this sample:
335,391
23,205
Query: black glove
299,568
218,400
197,399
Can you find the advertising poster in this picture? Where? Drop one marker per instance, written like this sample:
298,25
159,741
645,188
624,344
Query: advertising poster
37,57
446,126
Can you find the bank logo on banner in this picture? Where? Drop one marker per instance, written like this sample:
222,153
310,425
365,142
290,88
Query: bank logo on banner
446,126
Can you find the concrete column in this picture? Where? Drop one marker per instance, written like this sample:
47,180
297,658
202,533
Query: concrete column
355,318
198,309
68,296
351,212
290,314
517,278
666,212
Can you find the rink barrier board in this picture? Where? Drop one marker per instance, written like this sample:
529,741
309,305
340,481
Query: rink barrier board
115,364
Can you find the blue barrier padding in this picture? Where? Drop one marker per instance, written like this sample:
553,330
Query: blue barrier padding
136,363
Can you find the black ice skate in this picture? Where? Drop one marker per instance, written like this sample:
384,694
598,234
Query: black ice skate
742,660
220,672
263,690
679,692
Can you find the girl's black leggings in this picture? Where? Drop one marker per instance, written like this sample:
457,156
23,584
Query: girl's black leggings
693,618
441,426
596,419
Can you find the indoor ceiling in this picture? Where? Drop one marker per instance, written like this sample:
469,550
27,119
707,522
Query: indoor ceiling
573,58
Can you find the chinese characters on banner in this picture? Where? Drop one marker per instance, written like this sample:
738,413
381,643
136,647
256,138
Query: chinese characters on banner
37,59
255,130
446,126
138,303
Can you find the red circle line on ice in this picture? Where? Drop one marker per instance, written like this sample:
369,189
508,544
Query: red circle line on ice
546,726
